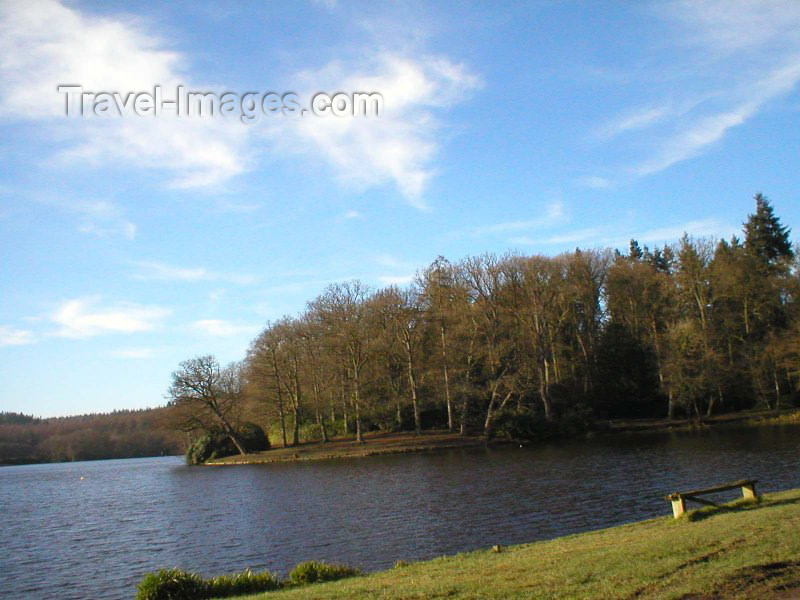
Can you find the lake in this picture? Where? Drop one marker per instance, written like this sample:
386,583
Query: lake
90,530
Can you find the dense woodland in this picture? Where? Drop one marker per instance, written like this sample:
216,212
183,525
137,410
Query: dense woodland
524,346
121,434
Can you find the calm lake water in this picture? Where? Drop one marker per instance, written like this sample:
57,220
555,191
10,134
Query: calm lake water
63,537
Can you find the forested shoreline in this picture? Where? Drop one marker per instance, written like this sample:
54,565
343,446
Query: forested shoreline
121,434
514,346
522,346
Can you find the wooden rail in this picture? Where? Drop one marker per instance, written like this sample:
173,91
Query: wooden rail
678,499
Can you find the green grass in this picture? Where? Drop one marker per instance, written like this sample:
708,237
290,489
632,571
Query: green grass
741,551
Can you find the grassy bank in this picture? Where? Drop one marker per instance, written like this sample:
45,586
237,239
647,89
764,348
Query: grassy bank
752,418
745,551
375,444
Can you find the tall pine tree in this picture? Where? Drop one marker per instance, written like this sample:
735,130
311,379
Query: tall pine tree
765,237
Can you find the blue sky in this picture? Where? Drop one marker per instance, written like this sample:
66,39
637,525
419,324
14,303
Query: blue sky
132,243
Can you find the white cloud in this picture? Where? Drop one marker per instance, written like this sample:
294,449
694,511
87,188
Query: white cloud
222,328
350,215
157,271
398,147
84,317
11,336
45,44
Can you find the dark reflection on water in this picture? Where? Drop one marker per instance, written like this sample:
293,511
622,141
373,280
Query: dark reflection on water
63,537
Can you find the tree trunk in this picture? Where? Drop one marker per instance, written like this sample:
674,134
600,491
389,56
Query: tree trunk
357,402
543,385
296,429
412,384
671,406
447,384
231,432
462,429
281,412
320,415
399,411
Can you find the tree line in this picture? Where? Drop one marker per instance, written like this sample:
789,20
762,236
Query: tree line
121,434
518,344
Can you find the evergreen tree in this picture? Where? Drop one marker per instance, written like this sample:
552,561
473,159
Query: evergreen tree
764,235
634,251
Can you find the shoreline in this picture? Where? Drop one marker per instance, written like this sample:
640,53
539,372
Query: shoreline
744,549
381,444
434,440
375,444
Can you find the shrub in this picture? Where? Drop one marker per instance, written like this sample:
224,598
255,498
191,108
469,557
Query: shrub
253,437
171,584
315,572
174,584
531,427
246,582
199,451
216,444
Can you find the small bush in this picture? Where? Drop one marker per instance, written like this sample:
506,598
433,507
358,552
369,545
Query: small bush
199,451
253,437
174,584
216,444
531,427
246,582
315,572
171,584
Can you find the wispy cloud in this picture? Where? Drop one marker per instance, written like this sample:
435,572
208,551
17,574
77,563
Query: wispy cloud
387,260
11,336
400,146
615,237
158,271
87,317
350,215
595,182
593,235
99,217
729,61
706,130
396,279
222,328
553,215
638,119
697,228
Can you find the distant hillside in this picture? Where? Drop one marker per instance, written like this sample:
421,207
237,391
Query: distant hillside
121,434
